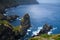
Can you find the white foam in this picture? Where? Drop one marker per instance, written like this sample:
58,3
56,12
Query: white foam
52,30
27,33
55,28
39,28
5,14
36,32
28,30
18,19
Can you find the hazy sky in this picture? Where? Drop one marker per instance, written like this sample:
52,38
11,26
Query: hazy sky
48,1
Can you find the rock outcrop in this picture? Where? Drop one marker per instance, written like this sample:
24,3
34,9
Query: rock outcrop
8,18
43,34
25,24
9,32
6,31
46,28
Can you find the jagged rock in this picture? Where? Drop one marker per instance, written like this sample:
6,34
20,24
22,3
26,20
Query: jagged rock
7,33
46,28
8,18
12,17
25,24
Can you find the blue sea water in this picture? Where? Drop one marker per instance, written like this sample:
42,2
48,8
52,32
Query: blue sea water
39,15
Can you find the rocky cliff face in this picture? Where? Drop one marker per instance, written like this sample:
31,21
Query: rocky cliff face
9,32
25,24
6,31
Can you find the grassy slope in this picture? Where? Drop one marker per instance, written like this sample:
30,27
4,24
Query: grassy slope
7,23
46,37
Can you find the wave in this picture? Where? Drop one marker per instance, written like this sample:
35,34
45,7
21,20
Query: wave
51,31
37,31
39,28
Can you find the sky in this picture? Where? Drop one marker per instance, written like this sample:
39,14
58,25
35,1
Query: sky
48,1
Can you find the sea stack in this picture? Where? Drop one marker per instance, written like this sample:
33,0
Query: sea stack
25,24
46,28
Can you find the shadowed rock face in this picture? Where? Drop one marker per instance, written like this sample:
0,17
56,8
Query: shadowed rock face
25,23
7,31
46,29
8,18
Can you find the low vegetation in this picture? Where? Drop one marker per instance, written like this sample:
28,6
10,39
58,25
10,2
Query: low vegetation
46,37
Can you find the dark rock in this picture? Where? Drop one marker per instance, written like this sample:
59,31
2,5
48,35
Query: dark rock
1,16
12,17
25,24
46,28
8,18
7,33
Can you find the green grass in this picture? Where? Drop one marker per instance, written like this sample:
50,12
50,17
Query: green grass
3,22
15,28
46,37
57,38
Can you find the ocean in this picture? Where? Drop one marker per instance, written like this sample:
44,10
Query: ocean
39,15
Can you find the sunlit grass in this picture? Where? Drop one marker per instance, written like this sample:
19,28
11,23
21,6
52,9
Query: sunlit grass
46,37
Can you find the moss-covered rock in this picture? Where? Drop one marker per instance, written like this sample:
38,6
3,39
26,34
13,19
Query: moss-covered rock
10,32
25,25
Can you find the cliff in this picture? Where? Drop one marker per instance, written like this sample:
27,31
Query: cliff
10,32
25,25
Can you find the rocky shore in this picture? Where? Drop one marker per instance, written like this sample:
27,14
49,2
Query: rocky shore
43,34
13,3
10,32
